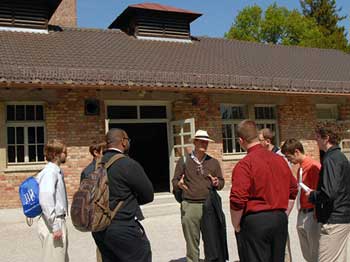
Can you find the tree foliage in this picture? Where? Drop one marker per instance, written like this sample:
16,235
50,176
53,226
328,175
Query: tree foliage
326,15
278,25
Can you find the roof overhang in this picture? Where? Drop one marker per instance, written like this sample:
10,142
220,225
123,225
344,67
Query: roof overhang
165,81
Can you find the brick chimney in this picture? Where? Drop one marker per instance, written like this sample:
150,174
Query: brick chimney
66,14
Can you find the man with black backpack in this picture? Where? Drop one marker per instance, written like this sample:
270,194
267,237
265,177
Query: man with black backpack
124,239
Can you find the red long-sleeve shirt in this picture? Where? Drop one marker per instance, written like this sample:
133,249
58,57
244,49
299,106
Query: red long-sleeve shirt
311,174
262,181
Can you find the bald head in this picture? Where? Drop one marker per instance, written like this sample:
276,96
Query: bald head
114,137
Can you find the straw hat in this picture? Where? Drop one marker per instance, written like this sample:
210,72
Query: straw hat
202,135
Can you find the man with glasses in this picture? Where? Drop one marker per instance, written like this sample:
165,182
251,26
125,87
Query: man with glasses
125,239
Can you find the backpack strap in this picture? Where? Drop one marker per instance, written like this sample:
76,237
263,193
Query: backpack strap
106,166
115,210
113,159
98,163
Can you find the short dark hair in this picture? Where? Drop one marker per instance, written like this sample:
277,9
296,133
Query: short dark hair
331,131
247,130
53,148
96,146
290,145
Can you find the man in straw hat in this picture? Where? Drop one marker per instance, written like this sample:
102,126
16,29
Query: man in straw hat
195,175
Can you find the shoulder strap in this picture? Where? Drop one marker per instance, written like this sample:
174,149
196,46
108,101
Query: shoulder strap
97,163
184,163
107,165
113,159
115,210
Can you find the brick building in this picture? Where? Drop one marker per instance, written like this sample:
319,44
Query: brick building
147,74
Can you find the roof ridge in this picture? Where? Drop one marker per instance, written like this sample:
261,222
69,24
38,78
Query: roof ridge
270,44
89,29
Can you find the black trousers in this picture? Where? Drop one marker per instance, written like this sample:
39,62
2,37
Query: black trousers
263,237
124,242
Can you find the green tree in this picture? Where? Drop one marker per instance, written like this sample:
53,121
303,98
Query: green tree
326,15
247,25
276,25
273,26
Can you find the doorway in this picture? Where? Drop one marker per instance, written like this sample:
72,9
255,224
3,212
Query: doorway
149,147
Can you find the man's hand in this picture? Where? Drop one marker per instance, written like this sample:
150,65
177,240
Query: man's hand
181,184
57,235
307,193
214,180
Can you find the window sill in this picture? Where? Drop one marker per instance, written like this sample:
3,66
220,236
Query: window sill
233,157
28,167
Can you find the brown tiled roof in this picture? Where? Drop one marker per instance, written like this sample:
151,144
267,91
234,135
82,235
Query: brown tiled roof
112,58
159,7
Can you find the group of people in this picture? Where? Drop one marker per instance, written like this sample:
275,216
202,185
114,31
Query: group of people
263,192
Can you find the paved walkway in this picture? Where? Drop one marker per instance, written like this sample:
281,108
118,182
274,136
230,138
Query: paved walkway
20,243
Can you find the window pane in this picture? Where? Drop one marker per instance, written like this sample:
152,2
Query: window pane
237,146
20,154
10,112
40,151
30,112
265,112
39,112
20,114
225,112
122,112
11,154
237,112
225,145
232,112
152,112
40,135
32,153
11,135
19,135
31,135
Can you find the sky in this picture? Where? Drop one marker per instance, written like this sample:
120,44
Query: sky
217,18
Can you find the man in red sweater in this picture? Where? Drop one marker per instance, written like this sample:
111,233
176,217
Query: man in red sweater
308,173
262,184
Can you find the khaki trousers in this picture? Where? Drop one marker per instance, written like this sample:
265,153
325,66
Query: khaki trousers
191,215
98,255
288,252
334,241
309,235
53,250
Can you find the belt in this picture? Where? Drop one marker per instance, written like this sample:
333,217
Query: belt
306,210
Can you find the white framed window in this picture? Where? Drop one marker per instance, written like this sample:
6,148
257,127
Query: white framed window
231,115
327,112
265,116
345,147
25,133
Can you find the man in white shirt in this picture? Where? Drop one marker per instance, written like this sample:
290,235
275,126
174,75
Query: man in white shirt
53,201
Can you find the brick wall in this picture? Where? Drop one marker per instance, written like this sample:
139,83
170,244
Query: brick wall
66,14
65,119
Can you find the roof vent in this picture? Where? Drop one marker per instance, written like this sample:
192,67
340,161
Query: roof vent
24,14
155,21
